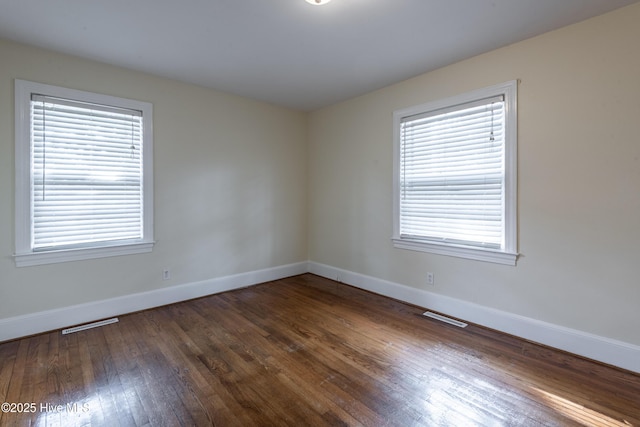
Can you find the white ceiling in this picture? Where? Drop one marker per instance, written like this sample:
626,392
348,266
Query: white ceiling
287,52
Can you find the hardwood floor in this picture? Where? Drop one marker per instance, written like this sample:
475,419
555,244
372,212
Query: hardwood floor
303,351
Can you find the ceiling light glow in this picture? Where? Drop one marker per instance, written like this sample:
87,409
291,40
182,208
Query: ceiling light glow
318,2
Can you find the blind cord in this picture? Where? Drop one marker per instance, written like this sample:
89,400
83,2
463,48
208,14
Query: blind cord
133,145
44,151
491,137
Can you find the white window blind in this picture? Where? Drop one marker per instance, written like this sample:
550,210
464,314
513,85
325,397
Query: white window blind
86,173
452,174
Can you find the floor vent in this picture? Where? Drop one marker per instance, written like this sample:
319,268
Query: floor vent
444,319
89,326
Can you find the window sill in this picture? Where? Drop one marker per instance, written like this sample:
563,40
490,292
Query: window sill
477,254
56,256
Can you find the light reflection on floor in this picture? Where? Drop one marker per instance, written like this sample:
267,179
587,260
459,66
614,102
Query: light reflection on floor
458,400
577,412
454,400
69,414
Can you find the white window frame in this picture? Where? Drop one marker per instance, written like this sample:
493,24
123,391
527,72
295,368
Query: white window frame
24,254
507,253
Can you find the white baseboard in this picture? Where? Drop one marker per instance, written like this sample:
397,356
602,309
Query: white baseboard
606,350
30,324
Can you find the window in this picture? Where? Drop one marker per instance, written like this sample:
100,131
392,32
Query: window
84,175
455,176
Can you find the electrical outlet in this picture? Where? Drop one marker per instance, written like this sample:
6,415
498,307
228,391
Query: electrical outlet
166,274
430,279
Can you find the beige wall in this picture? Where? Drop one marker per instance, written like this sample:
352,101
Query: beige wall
579,180
230,186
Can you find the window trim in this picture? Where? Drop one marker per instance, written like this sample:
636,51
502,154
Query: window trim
24,254
508,253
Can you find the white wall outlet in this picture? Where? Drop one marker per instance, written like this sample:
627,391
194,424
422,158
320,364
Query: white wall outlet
430,279
166,274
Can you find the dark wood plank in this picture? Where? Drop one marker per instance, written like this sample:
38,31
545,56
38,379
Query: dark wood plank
305,351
